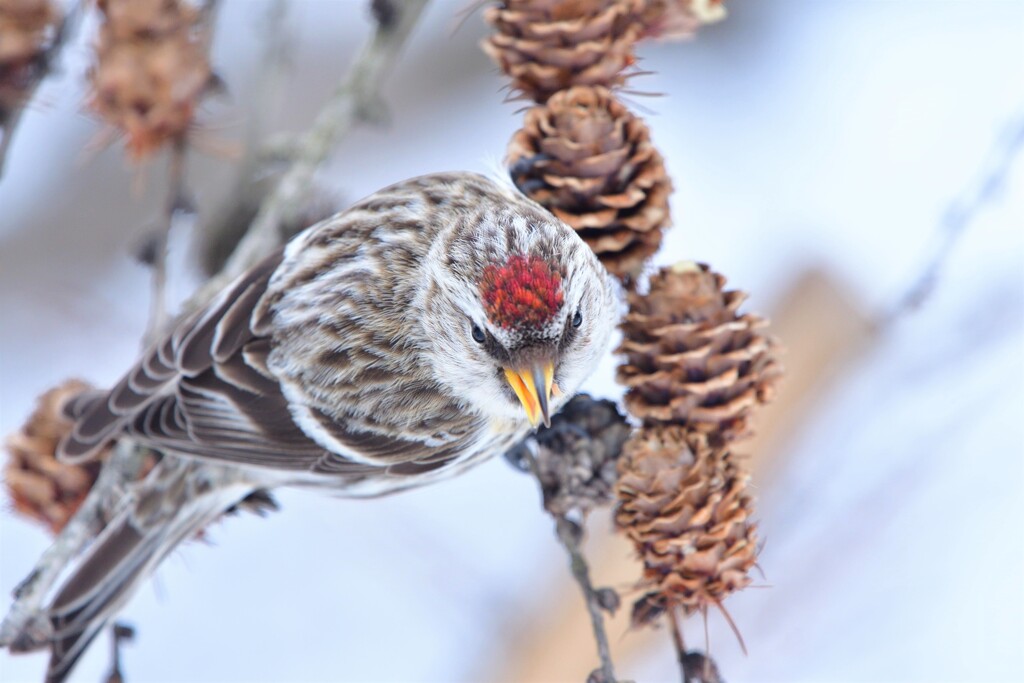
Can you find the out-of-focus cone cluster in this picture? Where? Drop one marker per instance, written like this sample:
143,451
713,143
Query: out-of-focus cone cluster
587,159
27,31
41,487
151,71
546,46
695,368
685,505
679,19
691,358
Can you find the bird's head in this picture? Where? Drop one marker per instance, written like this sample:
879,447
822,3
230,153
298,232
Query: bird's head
518,311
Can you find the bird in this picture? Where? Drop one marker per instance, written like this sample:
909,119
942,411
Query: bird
426,328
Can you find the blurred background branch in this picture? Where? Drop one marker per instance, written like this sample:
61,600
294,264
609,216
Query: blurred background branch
177,203
356,100
989,182
259,166
154,253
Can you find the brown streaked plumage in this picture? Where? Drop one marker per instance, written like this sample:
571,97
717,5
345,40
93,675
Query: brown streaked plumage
361,358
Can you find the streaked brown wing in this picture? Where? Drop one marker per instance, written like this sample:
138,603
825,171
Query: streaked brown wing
207,391
187,351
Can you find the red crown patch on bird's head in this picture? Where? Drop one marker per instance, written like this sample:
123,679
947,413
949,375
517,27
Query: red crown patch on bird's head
524,292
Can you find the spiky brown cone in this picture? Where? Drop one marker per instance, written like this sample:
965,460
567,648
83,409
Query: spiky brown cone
41,487
684,503
591,162
576,456
679,19
691,358
151,71
550,45
27,30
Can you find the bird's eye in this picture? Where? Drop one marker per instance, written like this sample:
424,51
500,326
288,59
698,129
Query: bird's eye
577,319
478,335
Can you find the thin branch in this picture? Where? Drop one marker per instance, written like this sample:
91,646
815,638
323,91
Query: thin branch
677,642
176,204
958,217
118,633
570,535
7,128
573,461
219,236
694,666
356,100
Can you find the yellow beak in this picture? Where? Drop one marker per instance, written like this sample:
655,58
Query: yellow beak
533,387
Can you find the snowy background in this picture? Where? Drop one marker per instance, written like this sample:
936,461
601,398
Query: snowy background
798,134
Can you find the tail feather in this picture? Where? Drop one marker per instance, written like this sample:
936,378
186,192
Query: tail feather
130,548
93,589
70,657
86,604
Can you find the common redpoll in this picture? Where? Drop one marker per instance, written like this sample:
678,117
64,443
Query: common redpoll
421,331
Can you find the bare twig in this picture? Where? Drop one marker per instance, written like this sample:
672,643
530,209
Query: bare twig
694,666
219,236
356,100
176,204
677,642
958,217
574,462
118,633
570,535
7,127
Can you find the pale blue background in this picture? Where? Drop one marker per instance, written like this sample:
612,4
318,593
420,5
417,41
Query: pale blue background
796,133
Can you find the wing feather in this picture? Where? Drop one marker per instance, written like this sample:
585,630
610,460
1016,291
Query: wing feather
236,371
233,307
233,329
256,355
169,361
